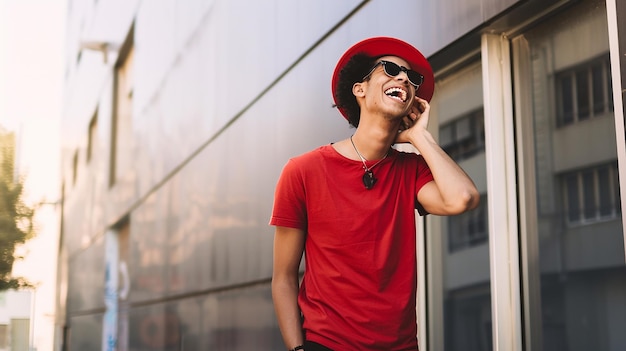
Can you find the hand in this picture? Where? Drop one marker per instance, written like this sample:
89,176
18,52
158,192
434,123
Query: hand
415,121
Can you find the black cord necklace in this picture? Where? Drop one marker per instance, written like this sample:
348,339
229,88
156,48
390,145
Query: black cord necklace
368,177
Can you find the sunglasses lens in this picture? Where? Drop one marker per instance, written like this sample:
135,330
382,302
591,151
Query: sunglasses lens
391,68
415,78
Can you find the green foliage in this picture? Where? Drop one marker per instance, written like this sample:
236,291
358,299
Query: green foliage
16,218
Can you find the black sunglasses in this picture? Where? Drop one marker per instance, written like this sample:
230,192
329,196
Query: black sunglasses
391,69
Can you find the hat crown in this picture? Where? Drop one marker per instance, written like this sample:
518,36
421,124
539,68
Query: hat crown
387,46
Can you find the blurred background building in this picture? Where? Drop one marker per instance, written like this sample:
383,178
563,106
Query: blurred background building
179,115
15,320
15,306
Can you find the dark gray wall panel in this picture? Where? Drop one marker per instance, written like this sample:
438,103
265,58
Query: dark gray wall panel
85,332
86,279
239,319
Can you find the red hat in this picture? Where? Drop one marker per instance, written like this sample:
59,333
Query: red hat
385,46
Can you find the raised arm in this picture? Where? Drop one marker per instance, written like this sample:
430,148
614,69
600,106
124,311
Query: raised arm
452,191
288,249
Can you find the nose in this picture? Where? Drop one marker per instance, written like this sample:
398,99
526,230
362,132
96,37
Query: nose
403,77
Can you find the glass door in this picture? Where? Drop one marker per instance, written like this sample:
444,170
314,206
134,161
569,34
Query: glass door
572,243
460,285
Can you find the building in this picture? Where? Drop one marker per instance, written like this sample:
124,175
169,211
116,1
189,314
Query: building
15,320
179,116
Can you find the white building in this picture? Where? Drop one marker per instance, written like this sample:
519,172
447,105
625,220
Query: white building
15,320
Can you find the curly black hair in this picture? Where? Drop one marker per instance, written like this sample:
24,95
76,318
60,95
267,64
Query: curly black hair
353,72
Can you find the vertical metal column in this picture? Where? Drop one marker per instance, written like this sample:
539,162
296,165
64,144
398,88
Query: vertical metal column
616,18
501,185
433,247
527,200
422,297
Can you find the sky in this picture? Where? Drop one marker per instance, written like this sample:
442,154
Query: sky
31,59
31,83
32,47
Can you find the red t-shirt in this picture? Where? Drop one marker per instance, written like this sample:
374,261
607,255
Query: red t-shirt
359,285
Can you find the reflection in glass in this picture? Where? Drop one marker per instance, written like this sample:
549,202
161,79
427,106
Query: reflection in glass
582,275
582,96
582,91
464,137
598,75
468,229
468,315
465,251
571,193
567,100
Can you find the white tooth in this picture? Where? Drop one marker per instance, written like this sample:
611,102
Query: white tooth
402,92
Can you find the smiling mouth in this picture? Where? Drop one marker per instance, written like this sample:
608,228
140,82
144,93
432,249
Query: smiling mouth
396,93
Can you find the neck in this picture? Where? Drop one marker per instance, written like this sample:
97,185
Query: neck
373,141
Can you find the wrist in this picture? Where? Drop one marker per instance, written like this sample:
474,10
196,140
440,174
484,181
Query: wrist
422,139
297,348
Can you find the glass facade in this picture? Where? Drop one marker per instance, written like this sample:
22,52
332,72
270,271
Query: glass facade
573,200
464,249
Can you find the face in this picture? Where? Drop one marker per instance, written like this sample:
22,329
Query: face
390,96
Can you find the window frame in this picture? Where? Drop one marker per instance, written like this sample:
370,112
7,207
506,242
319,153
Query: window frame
574,75
584,192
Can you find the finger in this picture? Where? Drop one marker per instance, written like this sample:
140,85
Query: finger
415,107
415,114
422,104
407,122
419,105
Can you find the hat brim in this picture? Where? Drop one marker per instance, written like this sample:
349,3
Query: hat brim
386,46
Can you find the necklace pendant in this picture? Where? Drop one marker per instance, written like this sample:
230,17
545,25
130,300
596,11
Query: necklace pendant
369,180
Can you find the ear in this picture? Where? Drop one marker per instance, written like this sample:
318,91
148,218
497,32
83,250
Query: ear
358,89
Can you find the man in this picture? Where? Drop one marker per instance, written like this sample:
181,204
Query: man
350,206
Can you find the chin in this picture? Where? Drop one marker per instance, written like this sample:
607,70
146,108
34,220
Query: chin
397,118
402,113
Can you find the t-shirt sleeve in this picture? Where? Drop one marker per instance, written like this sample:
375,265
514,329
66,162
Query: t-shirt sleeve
289,199
423,177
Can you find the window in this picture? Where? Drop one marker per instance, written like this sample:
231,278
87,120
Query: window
470,228
75,167
91,137
121,129
464,137
4,336
584,92
591,195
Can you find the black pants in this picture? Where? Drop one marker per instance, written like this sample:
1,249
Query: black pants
313,346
